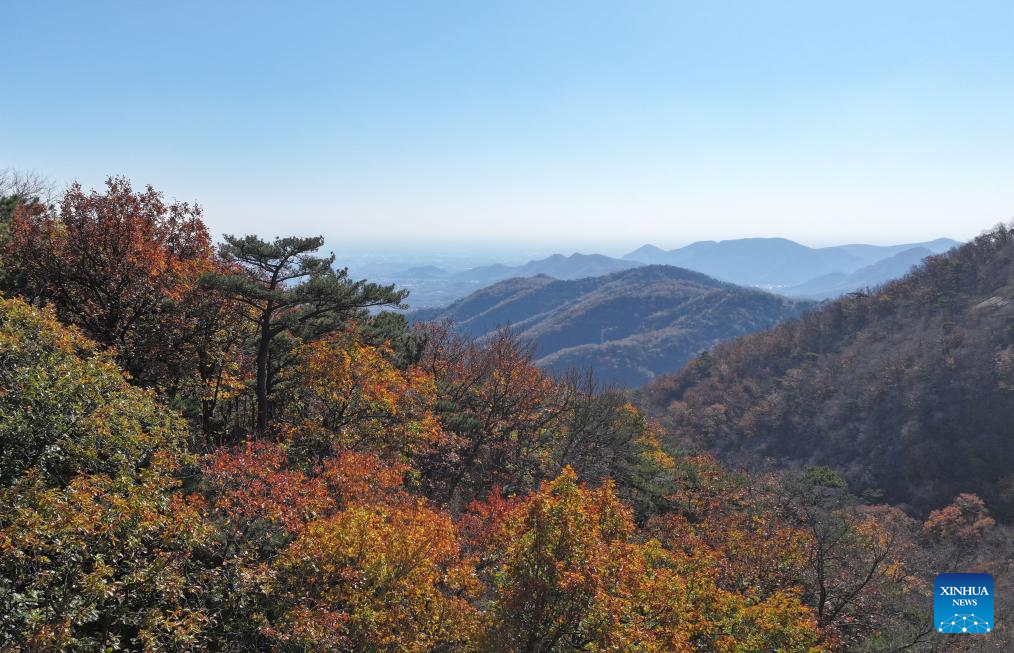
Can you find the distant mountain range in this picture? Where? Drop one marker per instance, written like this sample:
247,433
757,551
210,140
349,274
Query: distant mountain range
558,266
835,284
780,264
628,325
433,286
774,264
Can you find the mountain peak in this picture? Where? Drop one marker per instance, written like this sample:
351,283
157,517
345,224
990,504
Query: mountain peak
647,248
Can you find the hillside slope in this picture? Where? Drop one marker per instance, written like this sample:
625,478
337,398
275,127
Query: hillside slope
627,326
908,392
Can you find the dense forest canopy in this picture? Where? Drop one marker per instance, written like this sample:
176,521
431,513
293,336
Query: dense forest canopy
222,448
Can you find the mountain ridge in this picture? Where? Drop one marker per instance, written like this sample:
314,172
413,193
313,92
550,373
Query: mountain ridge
628,326
871,276
774,262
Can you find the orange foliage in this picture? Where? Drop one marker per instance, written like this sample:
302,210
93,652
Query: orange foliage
347,395
376,576
965,519
361,477
256,482
569,572
738,527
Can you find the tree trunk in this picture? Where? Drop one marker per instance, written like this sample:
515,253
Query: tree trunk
263,349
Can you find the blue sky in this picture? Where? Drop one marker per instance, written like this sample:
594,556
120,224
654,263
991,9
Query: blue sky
566,122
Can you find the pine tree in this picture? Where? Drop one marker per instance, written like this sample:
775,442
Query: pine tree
289,290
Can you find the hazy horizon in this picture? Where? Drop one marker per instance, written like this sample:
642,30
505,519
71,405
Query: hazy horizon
518,252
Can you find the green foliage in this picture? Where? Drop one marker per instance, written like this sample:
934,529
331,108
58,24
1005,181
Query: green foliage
290,293
393,329
824,477
101,564
296,291
65,408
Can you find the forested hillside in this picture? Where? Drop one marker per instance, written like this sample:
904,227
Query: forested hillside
231,448
908,392
627,326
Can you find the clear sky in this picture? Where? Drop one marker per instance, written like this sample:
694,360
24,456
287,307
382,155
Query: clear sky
542,121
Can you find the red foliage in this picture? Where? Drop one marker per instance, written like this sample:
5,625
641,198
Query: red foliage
121,265
965,519
251,482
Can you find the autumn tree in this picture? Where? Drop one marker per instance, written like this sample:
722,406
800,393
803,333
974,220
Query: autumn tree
26,185
965,519
500,409
28,192
570,574
118,265
19,189
262,495
345,394
260,498
377,577
854,556
353,561
737,521
600,434
290,291
507,423
561,565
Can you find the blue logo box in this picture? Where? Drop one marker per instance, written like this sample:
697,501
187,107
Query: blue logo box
963,603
